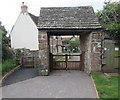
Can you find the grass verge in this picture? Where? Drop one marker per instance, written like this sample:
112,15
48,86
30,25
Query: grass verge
106,87
60,59
7,65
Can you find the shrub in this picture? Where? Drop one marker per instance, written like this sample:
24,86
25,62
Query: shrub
7,65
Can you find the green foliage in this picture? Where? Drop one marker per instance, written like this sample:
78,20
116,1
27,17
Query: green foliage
65,41
1,31
106,87
74,44
8,61
109,18
114,31
6,50
110,14
7,65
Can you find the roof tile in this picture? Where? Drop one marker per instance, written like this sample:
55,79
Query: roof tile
68,18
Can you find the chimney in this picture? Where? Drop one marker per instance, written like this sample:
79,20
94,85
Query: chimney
24,8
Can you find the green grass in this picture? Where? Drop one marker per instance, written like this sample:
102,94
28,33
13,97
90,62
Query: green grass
60,59
106,87
7,65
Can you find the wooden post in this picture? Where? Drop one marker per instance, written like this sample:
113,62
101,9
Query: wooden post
80,61
66,60
33,60
51,61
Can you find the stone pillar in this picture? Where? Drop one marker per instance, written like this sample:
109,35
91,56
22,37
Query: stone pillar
96,51
86,52
91,51
43,53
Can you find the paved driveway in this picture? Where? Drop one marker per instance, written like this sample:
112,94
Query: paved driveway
60,84
20,75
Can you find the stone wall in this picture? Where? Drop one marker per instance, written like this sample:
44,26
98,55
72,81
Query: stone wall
26,57
91,51
96,51
43,53
30,58
90,48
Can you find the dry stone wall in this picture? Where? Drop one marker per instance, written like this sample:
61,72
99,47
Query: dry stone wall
26,57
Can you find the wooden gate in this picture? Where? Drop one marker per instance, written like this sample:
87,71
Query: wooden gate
65,62
28,61
111,57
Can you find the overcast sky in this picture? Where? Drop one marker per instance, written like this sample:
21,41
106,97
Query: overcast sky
10,9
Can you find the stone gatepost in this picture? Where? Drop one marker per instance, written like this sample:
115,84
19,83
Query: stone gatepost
96,51
43,53
91,51
85,44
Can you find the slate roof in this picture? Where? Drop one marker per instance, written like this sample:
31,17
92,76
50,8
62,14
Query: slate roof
34,18
82,17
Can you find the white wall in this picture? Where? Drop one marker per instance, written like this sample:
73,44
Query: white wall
24,33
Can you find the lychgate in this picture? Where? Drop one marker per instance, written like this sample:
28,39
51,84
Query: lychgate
82,21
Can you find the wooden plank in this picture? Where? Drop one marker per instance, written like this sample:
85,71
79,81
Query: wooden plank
66,59
67,55
58,65
74,65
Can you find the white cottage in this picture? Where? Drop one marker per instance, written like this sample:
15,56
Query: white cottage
25,33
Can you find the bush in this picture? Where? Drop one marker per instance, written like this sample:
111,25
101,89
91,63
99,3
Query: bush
109,18
114,32
7,65
7,53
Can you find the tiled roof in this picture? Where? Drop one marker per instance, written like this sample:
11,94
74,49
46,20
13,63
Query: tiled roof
34,18
68,18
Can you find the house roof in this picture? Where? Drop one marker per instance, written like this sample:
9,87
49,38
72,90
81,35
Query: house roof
34,18
82,17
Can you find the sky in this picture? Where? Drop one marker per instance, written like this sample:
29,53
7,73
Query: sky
10,9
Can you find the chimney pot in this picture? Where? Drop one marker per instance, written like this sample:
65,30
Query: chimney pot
24,8
22,3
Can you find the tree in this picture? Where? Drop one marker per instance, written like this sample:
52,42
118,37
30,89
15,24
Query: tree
75,44
6,50
110,14
65,41
109,18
